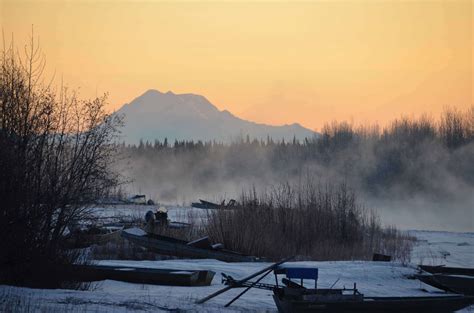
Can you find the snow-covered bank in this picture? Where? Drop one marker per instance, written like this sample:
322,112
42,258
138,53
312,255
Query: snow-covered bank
372,278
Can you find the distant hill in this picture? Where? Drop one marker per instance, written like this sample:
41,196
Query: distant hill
157,115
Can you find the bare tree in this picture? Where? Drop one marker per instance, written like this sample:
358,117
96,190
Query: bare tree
456,127
56,153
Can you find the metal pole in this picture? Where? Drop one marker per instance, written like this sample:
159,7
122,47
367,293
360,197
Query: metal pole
243,280
248,288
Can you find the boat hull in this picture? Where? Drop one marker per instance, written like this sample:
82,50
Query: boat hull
81,241
171,246
447,270
376,304
452,283
172,277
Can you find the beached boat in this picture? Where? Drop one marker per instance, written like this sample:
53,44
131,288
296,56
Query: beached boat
452,283
80,240
294,297
203,204
441,269
309,301
174,277
198,249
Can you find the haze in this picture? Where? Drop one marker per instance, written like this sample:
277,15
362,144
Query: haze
285,62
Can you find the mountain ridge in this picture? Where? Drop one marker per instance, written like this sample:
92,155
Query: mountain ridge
155,115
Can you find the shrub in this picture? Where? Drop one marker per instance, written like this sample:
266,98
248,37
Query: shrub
311,221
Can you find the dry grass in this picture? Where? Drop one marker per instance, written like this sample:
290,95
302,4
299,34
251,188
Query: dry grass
312,222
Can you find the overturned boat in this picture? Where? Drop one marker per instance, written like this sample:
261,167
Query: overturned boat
172,277
198,249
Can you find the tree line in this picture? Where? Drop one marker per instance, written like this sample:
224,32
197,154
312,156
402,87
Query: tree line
409,155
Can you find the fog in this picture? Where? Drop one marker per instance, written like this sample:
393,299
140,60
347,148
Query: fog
416,173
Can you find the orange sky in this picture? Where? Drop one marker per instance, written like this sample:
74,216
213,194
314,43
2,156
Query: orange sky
273,62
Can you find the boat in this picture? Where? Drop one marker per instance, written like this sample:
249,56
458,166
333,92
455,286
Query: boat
197,249
173,277
318,301
80,240
203,204
441,269
294,297
452,283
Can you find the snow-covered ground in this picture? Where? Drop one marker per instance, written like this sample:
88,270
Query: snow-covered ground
372,278
451,249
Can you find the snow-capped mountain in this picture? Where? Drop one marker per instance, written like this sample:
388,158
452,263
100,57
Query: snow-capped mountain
157,115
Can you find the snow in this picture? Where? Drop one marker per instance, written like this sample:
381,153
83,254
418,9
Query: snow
135,231
372,279
181,272
443,248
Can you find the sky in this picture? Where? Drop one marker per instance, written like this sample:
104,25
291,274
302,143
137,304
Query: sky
309,62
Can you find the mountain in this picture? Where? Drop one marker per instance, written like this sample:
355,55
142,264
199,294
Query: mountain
157,115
